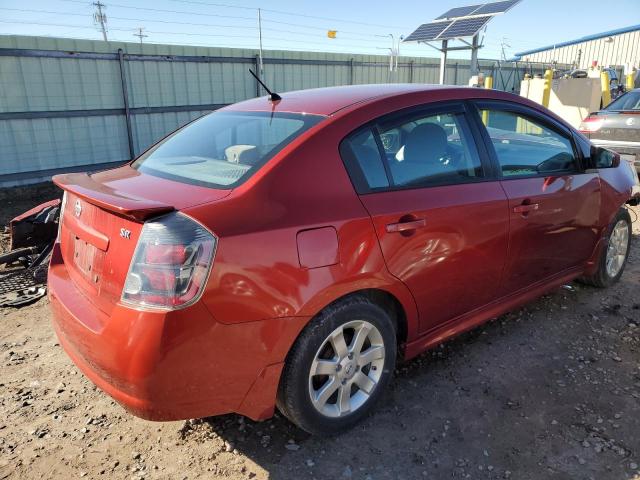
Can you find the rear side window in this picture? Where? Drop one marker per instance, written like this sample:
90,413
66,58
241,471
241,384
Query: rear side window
223,149
362,157
430,150
411,152
525,146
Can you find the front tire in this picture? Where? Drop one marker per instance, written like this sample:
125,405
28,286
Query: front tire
614,257
338,367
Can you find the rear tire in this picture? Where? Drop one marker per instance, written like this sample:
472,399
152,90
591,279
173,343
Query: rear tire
614,257
339,367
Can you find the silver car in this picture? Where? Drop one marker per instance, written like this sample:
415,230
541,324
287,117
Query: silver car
617,127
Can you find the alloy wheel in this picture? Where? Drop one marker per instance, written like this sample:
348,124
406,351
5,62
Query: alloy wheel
346,368
617,249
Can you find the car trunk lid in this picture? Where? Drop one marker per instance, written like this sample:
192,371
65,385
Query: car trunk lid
102,219
621,126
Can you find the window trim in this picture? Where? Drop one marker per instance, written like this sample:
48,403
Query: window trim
527,112
456,107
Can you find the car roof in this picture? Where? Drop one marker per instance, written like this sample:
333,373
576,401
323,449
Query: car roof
329,100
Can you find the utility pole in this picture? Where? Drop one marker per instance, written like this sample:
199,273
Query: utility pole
398,50
504,44
392,51
392,55
260,39
140,35
100,17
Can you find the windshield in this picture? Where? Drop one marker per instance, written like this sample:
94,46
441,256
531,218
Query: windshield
223,149
628,101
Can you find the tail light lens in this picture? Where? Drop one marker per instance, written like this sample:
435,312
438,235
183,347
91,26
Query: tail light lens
171,263
591,124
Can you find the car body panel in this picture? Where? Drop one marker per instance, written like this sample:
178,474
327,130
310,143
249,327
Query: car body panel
225,352
146,360
559,234
449,247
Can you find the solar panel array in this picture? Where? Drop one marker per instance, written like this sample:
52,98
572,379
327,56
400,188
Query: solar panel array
496,7
428,31
465,27
459,12
459,22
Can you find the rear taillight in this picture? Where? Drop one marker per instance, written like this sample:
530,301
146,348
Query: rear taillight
591,124
171,263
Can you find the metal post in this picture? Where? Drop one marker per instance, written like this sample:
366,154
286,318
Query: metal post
261,69
352,73
474,56
443,60
411,71
546,91
605,83
125,98
455,75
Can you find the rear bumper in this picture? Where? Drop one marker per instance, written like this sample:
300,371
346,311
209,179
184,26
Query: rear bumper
171,365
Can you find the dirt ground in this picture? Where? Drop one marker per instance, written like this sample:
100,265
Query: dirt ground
548,391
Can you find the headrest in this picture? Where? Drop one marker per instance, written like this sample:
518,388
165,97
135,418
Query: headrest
426,143
246,154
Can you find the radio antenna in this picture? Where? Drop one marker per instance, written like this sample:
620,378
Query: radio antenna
273,96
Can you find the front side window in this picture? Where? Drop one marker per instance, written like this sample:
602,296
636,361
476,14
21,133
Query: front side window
430,149
526,147
223,149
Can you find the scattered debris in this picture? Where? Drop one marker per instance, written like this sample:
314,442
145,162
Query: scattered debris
32,236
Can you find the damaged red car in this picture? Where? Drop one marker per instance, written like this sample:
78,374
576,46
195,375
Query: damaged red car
288,252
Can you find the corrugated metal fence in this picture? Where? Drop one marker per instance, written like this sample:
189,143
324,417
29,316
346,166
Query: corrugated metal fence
80,104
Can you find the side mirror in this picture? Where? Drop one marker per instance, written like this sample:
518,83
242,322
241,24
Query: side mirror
602,158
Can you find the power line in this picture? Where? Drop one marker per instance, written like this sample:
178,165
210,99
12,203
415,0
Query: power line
183,12
281,12
244,37
133,19
215,4
162,10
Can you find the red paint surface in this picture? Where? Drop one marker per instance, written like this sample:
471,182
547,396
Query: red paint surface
318,247
473,258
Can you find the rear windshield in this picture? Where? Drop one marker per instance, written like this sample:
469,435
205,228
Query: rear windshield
628,101
223,149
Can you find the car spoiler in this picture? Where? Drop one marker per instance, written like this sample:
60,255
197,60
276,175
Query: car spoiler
107,198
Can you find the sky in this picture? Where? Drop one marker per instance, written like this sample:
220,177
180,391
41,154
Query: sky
362,26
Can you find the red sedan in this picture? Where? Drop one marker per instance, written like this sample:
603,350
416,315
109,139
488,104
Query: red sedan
289,251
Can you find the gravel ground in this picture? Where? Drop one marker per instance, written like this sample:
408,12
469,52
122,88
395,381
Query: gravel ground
549,391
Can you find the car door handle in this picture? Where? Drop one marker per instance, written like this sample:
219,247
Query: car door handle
526,208
406,226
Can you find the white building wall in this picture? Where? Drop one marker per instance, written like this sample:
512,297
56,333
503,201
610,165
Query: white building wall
621,50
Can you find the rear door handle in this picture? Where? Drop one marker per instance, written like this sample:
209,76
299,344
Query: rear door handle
526,208
406,226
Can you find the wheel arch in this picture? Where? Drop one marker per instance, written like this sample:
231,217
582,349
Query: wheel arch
404,316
